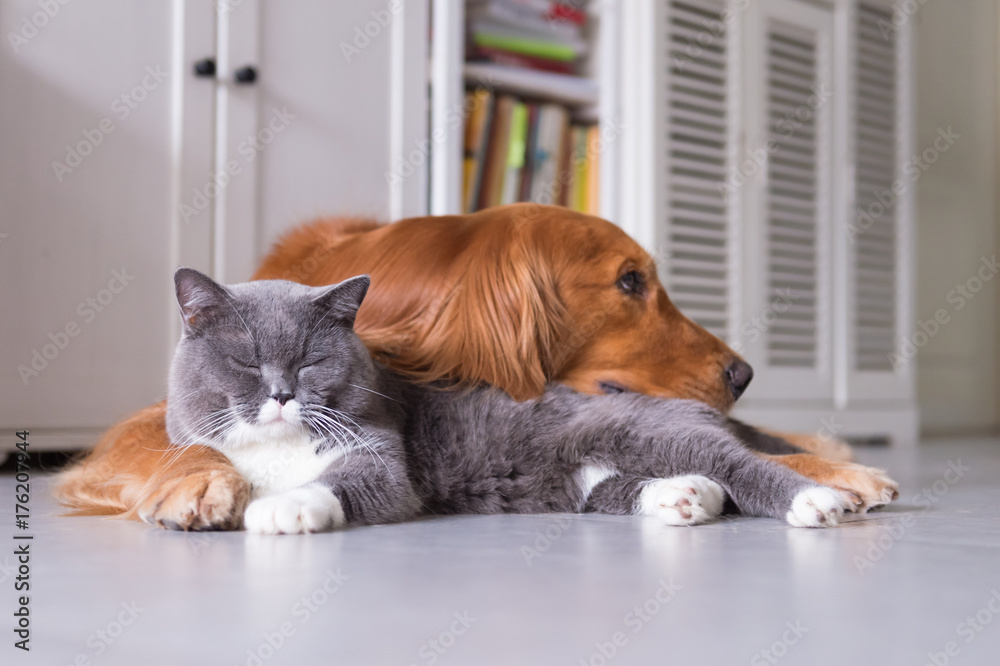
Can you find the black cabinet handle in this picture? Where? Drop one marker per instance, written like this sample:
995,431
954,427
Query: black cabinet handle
245,75
205,68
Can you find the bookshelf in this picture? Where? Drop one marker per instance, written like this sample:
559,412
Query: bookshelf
588,95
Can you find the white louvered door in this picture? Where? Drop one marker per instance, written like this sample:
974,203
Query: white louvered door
770,125
876,238
697,230
785,176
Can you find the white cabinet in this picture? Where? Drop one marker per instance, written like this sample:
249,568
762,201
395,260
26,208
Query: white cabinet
86,195
161,168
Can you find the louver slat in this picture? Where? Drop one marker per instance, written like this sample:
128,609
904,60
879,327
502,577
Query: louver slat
791,63
875,249
697,228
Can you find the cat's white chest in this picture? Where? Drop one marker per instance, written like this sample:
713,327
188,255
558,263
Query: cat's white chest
276,465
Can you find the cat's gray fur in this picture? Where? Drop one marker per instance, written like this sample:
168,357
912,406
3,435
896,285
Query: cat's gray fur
415,449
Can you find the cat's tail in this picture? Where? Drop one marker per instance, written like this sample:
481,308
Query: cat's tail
302,254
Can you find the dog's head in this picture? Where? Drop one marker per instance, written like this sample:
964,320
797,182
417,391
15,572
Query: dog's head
605,323
516,296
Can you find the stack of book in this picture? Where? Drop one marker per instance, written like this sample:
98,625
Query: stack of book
527,151
530,34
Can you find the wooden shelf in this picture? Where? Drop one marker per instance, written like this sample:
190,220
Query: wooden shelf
560,88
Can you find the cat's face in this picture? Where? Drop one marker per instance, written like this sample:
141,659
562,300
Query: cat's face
265,361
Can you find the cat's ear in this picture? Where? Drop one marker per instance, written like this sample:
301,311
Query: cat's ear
342,300
199,297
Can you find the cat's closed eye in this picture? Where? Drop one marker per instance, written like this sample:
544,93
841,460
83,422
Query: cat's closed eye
312,362
245,366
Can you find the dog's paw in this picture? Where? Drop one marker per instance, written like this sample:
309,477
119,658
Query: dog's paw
817,507
311,508
210,500
868,487
682,500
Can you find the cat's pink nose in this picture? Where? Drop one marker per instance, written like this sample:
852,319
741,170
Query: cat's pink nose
283,397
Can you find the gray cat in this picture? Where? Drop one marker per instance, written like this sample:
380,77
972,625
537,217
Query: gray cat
271,374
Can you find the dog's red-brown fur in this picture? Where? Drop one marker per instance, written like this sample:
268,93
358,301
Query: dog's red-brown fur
515,296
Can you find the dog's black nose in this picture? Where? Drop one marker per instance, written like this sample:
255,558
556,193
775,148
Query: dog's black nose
283,397
739,375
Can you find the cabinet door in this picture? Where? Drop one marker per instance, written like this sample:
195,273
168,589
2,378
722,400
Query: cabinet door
334,124
87,240
700,130
785,172
879,196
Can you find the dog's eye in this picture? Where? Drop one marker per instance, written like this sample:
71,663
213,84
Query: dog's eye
631,283
611,388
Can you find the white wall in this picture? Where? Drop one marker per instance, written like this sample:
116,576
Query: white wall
957,87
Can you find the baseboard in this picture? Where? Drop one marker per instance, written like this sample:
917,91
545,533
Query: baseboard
54,439
900,425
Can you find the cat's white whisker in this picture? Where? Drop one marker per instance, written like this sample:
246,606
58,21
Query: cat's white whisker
363,388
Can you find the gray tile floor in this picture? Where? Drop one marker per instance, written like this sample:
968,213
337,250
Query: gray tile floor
916,584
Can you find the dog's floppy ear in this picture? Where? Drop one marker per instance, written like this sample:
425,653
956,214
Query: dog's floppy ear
507,319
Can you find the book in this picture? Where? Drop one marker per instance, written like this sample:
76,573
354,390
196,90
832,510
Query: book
552,119
593,170
577,199
495,166
552,10
564,170
511,191
511,40
530,151
522,17
511,59
477,132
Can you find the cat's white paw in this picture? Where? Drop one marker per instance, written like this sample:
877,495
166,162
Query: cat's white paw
311,508
817,507
682,500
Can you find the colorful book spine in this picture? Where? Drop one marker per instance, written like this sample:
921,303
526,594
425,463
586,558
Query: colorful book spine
479,104
515,154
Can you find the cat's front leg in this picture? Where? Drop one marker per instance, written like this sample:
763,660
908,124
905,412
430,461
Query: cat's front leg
365,487
685,500
309,508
